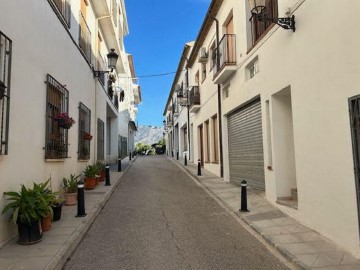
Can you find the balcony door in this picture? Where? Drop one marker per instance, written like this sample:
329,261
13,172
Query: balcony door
231,41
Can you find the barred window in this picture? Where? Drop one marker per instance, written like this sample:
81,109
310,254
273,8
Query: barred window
5,74
57,105
63,8
84,132
100,140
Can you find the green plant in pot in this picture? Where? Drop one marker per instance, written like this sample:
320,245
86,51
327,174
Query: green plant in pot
44,192
101,169
90,173
27,208
69,186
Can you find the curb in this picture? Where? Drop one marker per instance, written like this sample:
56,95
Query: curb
68,248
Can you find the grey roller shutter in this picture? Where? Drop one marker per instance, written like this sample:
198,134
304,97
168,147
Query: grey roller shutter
246,158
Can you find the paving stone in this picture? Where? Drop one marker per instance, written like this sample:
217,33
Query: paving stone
43,250
5,263
307,259
55,239
283,239
349,259
299,248
328,259
32,263
13,250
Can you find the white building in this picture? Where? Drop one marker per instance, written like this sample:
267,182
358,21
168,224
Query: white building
50,55
288,108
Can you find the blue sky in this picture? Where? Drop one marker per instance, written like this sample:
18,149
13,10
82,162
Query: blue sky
159,30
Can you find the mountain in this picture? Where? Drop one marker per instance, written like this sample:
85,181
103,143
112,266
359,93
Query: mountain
148,134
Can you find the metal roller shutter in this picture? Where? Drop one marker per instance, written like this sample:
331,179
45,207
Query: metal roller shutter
246,156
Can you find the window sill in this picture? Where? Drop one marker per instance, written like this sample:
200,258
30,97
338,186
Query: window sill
54,159
83,160
215,162
206,161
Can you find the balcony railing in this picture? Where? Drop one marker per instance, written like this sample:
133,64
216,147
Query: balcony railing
194,97
227,53
64,9
100,65
85,38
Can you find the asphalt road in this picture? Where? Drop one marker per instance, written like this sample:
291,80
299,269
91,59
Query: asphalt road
158,218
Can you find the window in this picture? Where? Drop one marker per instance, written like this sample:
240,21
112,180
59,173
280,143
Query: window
57,102
63,8
215,156
185,139
258,27
100,139
84,132
203,71
207,153
252,68
100,61
5,75
84,33
197,79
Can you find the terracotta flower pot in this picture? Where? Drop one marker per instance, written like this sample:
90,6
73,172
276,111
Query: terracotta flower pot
102,176
70,198
46,223
90,183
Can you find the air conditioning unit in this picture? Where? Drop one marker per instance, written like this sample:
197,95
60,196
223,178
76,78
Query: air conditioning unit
203,55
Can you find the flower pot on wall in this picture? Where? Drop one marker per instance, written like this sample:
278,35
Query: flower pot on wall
29,233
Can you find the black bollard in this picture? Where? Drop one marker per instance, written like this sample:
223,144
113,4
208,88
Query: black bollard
243,197
119,164
177,155
167,153
172,153
107,175
199,168
129,155
185,160
81,199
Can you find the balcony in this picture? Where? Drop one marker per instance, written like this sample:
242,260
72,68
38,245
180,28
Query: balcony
194,99
226,60
175,110
85,38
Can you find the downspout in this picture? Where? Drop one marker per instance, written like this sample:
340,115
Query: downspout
219,99
188,107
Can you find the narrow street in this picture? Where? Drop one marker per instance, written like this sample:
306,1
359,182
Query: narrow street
158,218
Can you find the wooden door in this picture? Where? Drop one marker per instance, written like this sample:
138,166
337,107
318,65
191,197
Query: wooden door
230,41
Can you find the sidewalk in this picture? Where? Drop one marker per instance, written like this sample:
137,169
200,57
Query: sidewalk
59,243
300,245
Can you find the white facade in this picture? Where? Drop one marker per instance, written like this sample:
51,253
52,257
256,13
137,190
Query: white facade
46,40
304,80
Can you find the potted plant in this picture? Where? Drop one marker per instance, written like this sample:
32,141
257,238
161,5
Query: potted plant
90,176
69,186
44,193
101,170
87,136
64,120
56,206
27,207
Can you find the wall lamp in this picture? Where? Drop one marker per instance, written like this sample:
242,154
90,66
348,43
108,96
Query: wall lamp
112,57
258,9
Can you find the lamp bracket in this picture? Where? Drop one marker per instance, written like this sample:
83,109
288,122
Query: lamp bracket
286,23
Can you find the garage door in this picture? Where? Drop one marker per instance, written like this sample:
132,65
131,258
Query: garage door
246,156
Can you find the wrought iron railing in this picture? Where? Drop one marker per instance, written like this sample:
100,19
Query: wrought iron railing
116,101
57,103
84,129
194,96
63,8
100,65
100,140
225,53
5,75
85,37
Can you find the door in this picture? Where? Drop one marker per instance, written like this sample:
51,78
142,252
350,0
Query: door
230,41
246,158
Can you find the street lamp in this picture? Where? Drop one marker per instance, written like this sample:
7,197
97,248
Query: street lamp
258,9
112,57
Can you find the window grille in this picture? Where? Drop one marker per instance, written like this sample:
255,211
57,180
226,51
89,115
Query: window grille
84,132
63,8
100,140
5,75
57,102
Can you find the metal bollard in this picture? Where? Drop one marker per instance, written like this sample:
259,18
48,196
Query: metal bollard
129,155
172,153
107,175
177,155
119,164
81,199
185,160
243,197
199,168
